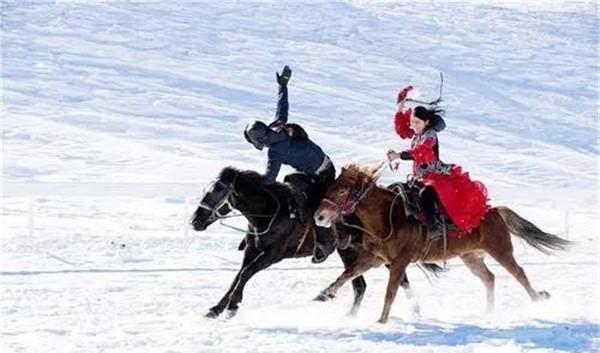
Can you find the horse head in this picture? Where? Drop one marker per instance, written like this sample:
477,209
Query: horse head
218,199
342,197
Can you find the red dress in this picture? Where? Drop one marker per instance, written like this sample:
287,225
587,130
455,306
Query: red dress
464,200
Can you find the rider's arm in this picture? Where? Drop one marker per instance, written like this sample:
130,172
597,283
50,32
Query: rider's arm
273,167
281,115
402,123
406,156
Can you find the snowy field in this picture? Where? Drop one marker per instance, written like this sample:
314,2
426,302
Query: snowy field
116,114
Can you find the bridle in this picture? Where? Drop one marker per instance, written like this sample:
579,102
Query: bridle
352,200
214,210
348,207
225,201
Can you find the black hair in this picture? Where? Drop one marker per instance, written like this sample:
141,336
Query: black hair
428,114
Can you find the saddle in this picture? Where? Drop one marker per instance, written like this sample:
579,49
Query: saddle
410,197
297,200
300,186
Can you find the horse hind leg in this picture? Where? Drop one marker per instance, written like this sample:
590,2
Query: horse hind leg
359,285
499,245
405,284
510,264
476,265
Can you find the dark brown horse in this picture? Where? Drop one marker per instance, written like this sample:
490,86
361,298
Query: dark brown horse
393,238
277,230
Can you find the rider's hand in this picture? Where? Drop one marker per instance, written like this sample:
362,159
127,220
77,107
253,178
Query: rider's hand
285,76
403,93
394,159
392,155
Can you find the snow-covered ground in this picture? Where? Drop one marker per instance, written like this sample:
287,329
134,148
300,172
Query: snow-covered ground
116,114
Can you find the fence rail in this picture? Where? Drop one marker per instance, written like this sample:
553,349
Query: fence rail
102,189
185,191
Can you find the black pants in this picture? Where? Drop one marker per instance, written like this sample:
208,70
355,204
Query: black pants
322,183
314,186
427,201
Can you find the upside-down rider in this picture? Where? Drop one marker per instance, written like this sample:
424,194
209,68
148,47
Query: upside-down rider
463,200
293,147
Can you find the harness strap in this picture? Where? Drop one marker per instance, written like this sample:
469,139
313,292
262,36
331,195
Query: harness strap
445,238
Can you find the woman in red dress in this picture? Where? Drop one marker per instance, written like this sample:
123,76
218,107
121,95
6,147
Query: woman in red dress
463,200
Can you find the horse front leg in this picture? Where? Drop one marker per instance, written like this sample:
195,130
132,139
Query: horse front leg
349,255
259,263
363,263
397,273
250,255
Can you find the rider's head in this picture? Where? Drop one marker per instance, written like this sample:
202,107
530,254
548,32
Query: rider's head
256,134
422,117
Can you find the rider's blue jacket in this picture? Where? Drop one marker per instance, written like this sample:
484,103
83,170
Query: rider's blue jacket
304,155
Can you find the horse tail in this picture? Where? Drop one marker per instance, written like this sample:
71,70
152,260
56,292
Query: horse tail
432,268
522,228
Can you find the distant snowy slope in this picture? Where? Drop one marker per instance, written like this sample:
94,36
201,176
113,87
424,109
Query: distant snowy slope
154,91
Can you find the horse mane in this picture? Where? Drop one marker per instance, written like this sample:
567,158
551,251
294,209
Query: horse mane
249,180
370,171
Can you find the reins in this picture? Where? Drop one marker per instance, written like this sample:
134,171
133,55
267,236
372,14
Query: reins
391,221
225,202
343,210
255,229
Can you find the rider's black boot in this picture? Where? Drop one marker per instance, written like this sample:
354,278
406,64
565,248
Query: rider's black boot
427,202
434,228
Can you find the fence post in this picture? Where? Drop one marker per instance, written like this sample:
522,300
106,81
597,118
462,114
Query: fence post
567,224
185,217
31,225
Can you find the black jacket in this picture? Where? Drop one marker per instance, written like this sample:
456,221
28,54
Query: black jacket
304,155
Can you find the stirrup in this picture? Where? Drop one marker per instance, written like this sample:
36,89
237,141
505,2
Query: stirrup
435,234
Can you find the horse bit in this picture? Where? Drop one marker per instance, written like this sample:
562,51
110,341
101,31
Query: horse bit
216,215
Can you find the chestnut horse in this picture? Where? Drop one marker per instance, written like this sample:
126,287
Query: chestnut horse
275,232
393,238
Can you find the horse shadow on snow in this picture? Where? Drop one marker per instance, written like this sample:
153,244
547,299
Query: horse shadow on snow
570,337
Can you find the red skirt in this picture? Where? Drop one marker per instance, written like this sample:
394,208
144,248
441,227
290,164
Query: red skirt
463,200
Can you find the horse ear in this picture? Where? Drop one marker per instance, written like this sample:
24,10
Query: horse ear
380,169
373,171
350,169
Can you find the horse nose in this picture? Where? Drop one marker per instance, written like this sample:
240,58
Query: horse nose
321,220
198,226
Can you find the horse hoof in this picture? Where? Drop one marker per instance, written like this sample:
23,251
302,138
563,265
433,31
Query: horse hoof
543,295
231,313
382,321
416,310
211,314
323,297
